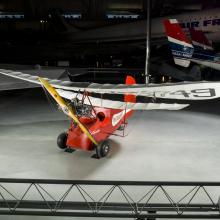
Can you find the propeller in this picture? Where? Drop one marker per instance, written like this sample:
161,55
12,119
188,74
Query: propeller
66,108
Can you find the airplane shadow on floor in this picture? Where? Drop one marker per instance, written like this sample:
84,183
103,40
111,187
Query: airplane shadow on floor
115,148
211,107
83,166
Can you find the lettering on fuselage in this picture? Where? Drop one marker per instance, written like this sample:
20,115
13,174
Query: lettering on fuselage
204,23
95,132
181,54
117,117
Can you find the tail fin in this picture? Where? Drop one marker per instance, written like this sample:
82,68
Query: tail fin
130,81
181,47
199,40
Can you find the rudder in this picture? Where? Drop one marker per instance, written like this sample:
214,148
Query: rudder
199,40
130,81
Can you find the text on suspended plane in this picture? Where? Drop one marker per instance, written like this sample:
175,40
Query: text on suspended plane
205,23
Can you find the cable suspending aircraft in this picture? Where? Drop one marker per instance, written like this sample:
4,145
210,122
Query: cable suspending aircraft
94,119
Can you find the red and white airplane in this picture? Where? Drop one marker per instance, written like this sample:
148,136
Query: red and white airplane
198,49
94,119
98,122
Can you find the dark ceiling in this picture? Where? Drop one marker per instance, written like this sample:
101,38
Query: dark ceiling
36,31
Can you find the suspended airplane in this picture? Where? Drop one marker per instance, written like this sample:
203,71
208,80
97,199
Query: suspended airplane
94,119
197,49
206,20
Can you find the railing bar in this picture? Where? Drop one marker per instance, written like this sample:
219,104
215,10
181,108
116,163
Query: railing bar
142,198
149,199
85,199
187,194
47,192
175,206
128,195
105,182
190,200
108,195
6,202
43,197
58,204
86,193
135,211
23,196
8,192
208,195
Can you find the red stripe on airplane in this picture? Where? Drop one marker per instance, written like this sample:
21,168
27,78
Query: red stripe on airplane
175,31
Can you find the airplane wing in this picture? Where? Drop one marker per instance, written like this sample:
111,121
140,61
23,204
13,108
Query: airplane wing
106,103
181,91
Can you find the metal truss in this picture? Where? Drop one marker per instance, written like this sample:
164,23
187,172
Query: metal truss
121,199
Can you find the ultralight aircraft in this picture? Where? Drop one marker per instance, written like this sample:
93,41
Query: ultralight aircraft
94,118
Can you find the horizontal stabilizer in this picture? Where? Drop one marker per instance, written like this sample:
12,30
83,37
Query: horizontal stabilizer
181,62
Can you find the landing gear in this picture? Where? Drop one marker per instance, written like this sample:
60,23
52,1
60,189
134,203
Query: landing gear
69,150
102,149
121,128
61,140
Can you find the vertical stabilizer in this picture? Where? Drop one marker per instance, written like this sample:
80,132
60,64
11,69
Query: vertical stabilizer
181,47
199,40
130,81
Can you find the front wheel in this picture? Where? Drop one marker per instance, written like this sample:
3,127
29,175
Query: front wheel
61,140
104,148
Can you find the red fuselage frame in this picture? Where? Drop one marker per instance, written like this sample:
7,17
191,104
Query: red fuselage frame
106,122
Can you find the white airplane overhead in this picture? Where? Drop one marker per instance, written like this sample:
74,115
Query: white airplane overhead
207,21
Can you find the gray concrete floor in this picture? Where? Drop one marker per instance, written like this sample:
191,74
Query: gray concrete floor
161,145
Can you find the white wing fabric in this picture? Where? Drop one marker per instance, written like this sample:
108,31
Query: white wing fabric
181,91
105,103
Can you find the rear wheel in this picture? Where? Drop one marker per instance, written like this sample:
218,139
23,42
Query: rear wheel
61,140
104,148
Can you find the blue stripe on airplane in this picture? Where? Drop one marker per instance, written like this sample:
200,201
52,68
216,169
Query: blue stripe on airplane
188,52
181,50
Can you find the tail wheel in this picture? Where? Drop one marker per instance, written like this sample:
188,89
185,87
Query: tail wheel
61,140
104,148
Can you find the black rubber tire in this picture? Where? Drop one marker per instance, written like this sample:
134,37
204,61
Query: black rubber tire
61,140
104,148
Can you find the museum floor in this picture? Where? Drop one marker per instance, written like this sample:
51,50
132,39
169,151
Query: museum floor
161,145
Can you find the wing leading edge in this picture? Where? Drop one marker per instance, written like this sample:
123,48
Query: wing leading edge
181,91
